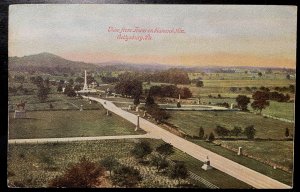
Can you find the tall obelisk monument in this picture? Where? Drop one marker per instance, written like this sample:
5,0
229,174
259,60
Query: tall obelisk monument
85,86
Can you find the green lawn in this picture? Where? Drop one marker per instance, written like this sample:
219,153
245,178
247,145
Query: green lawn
190,121
279,152
59,102
277,174
44,124
34,165
281,110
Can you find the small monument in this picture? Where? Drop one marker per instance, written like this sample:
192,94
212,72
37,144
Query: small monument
137,123
239,151
231,106
137,108
129,107
81,107
206,166
144,114
20,112
107,112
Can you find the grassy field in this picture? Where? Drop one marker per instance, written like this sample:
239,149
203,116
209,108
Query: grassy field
279,152
191,121
59,102
34,165
281,110
277,174
44,124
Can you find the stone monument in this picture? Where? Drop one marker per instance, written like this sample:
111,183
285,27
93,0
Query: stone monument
137,123
20,112
81,107
206,166
239,151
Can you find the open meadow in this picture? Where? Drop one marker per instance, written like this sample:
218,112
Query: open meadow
57,124
191,121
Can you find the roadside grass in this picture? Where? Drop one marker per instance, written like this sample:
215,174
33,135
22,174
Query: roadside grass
191,121
277,174
52,124
34,165
214,176
279,152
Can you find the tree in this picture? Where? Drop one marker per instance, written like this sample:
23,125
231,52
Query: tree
211,137
259,74
201,132
126,176
38,81
159,161
185,92
19,78
288,76
109,162
136,100
178,171
83,174
77,87
69,91
236,131
221,131
165,150
142,149
250,132
157,113
199,84
287,132
178,104
59,88
260,105
71,82
149,101
79,80
42,93
242,102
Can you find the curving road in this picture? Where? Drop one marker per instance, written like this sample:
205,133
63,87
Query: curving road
249,176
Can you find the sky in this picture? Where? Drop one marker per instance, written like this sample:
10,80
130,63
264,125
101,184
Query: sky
214,35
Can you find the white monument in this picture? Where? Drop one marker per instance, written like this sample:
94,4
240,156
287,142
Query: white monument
239,151
86,89
206,166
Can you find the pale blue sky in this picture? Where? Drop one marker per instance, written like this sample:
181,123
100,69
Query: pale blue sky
79,32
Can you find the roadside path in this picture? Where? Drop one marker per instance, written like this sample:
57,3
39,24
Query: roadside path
70,139
219,162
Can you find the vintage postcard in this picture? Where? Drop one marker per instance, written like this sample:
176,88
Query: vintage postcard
151,96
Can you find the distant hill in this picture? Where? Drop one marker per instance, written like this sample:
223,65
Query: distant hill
46,60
